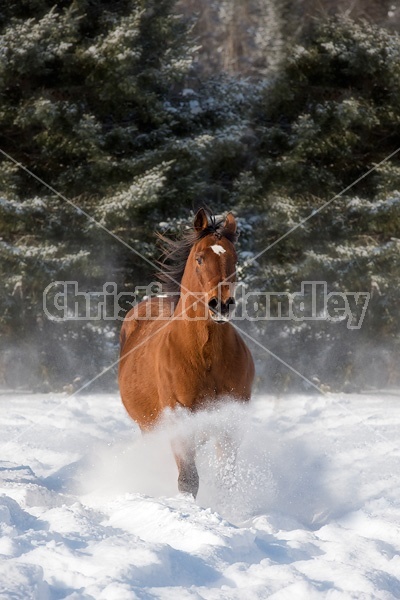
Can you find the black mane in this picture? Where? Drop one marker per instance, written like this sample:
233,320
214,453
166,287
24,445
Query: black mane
176,252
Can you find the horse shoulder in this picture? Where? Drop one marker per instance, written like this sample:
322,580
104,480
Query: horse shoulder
142,338
147,314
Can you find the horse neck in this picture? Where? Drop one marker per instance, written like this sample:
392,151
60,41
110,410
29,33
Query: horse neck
194,328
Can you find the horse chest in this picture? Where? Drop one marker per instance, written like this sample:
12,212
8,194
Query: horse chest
192,375
208,359
215,366
213,371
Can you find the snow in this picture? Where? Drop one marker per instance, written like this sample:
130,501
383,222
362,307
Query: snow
89,507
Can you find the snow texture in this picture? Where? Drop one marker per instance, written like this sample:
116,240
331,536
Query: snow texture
89,507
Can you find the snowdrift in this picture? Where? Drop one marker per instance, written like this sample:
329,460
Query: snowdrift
89,507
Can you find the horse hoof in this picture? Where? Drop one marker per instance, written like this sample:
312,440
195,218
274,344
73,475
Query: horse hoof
186,496
187,489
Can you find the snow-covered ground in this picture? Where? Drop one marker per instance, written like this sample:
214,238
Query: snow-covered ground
89,508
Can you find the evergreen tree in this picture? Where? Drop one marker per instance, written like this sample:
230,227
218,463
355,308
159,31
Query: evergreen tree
96,101
83,91
331,116
103,103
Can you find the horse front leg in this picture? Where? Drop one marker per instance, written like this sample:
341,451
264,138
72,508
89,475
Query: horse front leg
226,450
185,457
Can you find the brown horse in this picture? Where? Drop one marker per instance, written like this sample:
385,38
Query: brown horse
185,353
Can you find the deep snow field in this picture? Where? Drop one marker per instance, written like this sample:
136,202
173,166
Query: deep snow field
89,507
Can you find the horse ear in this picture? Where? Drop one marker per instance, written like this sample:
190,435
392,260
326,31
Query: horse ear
230,223
200,220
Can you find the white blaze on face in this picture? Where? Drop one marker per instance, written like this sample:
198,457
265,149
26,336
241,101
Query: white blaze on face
218,249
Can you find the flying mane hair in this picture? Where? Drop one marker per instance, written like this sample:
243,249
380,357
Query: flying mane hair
176,252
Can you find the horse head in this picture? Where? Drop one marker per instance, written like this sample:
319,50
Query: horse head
211,266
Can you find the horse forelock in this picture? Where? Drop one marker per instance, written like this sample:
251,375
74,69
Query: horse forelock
176,252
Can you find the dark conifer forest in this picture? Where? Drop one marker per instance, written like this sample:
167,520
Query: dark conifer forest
118,120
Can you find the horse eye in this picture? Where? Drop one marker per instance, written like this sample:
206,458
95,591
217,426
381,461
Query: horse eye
199,260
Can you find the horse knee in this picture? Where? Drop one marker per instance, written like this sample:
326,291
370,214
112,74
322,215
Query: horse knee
188,480
185,458
226,449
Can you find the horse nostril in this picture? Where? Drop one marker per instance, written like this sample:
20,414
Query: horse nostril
226,306
213,304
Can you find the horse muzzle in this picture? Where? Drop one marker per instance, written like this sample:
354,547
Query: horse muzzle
220,311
